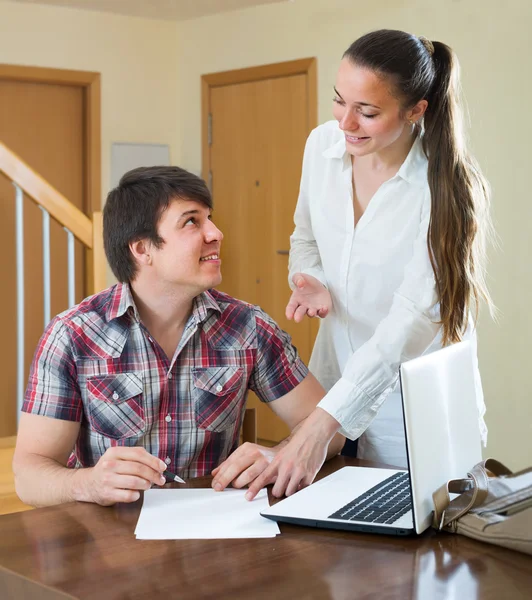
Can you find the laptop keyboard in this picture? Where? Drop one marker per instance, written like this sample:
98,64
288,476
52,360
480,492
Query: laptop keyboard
384,503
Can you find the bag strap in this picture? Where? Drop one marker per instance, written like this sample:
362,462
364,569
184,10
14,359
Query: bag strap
496,467
473,491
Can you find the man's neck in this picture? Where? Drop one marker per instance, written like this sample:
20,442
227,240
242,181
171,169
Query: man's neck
163,311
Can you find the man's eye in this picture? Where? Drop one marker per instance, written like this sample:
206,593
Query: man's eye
191,220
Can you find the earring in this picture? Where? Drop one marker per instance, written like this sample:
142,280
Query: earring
410,122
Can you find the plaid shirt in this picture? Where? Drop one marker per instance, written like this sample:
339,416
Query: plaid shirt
97,364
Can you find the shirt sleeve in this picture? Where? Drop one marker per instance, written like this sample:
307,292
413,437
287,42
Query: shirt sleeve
278,368
304,254
411,325
52,389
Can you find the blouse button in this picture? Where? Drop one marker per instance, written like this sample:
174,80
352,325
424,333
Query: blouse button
168,418
115,396
219,388
169,375
167,460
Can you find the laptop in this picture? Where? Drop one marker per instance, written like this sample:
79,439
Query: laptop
442,442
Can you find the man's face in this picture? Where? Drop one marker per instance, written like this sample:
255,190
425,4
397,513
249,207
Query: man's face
190,254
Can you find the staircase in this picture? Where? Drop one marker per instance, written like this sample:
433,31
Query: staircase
30,185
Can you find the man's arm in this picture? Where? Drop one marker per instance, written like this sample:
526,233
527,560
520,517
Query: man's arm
42,477
249,461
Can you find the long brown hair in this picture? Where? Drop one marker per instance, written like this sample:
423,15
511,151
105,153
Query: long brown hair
460,223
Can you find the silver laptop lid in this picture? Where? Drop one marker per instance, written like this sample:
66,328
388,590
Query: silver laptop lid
441,422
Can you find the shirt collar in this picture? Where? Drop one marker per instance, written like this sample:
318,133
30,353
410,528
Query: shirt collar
202,305
337,150
413,170
121,302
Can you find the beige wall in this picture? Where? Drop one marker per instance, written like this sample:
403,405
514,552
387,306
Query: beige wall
137,59
492,42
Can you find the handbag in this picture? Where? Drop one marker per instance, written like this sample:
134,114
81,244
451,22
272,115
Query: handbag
493,505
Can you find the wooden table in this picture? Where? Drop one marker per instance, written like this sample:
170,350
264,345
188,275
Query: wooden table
87,551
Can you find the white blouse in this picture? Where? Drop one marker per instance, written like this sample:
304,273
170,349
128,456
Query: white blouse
379,275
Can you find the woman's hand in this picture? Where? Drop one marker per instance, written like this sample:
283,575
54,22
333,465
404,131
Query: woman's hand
296,463
243,466
310,298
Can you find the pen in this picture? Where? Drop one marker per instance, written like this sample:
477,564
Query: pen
173,477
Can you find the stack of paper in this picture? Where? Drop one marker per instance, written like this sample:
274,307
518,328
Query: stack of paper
203,514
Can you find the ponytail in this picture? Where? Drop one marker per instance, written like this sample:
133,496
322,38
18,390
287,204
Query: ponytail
459,223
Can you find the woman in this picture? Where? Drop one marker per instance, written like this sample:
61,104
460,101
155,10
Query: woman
388,247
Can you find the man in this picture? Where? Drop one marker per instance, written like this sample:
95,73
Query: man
153,373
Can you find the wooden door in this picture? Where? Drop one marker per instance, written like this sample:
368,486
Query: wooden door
259,129
44,123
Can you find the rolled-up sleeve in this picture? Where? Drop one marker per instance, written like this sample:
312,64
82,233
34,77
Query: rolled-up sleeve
278,369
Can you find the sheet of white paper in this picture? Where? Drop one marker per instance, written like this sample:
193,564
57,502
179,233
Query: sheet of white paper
175,514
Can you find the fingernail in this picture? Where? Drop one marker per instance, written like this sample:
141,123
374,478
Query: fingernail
162,465
218,487
163,480
248,496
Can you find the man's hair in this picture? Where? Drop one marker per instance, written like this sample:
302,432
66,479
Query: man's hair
133,210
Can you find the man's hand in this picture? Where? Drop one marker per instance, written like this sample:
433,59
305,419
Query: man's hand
310,298
296,464
119,474
243,466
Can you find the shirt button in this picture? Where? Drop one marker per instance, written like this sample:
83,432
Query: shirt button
169,375
167,460
168,418
115,396
219,388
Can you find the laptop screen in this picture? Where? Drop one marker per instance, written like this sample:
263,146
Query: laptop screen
441,422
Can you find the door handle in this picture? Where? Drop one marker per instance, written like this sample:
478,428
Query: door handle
284,252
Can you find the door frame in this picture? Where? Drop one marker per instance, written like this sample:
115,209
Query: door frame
303,66
90,82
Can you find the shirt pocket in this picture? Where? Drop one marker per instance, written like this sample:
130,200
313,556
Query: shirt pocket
115,405
218,397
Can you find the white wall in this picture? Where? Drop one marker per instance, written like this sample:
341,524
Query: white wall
137,59
492,40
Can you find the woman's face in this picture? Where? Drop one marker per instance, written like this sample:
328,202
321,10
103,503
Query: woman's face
370,117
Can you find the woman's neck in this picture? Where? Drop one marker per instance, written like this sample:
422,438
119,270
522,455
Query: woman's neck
389,159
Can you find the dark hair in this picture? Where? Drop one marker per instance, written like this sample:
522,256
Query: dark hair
459,224
133,209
